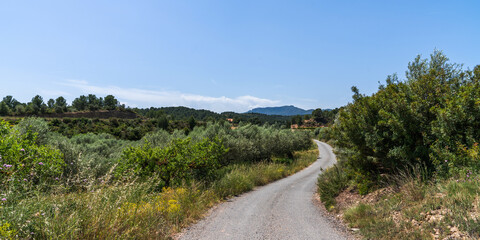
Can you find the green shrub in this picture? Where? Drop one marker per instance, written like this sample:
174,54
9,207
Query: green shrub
252,143
324,133
24,163
6,232
425,120
158,138
33,125
88,156
330,183
180,161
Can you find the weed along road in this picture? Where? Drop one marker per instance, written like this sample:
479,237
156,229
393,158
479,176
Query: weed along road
284,209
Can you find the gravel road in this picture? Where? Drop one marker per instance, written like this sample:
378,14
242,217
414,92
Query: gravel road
284,209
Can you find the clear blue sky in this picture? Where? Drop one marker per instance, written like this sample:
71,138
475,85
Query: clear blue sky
224,55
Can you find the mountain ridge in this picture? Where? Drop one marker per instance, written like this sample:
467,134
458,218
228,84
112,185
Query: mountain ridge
288,110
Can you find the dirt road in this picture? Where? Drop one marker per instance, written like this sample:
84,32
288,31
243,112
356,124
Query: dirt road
284,209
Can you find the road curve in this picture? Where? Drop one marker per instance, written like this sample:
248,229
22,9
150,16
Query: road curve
284,209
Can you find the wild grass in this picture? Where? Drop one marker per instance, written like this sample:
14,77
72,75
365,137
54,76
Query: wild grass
330,183
133,209
446,209
244,177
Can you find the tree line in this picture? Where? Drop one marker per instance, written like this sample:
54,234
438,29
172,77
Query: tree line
9,106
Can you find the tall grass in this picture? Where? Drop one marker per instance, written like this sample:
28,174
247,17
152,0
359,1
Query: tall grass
134,210
330,183
242,178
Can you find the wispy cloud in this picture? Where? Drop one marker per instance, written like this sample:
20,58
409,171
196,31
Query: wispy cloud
52,93
147,98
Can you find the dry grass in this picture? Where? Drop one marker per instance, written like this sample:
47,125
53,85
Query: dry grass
447,209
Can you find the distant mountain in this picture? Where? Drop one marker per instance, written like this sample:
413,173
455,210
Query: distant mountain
283,111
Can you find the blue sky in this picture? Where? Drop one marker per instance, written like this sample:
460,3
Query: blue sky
224,55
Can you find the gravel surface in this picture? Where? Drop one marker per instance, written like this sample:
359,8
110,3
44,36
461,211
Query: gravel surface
284,209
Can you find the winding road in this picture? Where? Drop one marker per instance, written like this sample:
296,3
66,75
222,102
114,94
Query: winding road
284,209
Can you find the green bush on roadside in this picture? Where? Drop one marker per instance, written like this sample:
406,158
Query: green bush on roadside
179,161
330,183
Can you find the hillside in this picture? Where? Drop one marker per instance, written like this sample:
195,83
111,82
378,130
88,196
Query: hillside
184,113
283,111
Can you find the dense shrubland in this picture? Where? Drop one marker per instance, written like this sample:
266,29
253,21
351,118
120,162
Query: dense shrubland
126,129
253,143
180,161
98,186
428,122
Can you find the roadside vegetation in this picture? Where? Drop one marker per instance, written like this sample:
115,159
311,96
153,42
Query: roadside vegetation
409,155
96,186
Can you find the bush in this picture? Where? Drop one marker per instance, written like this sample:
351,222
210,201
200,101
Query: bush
33,125
324,133
423,120
88,156
180,161
252,143
330,183
24,163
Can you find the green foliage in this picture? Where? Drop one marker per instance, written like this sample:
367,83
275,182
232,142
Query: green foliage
167,118
94,103
20,109
88,156
60,105
324,116
27,127
252,143
111,103
162,123
421,121
359,216
50,103
238,178
126,129
25,163
80,103
184,113
10,101
178,113
161,138
179,161
324,133
6,232
37,105
330,183
191,122
131,210
74,194
4,109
